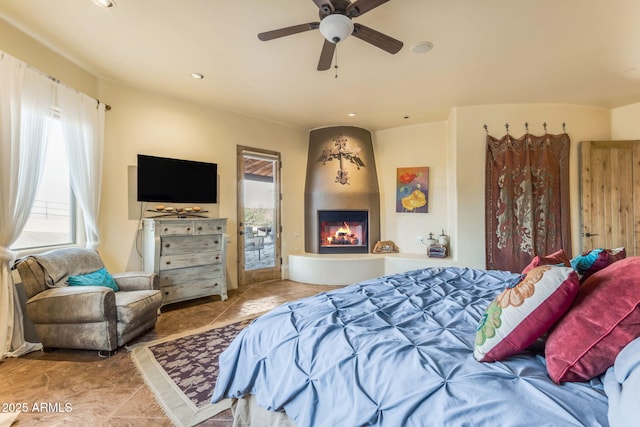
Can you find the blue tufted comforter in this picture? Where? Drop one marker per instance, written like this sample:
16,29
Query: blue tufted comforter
398,351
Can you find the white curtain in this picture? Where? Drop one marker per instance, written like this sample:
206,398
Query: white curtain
25,103
83,128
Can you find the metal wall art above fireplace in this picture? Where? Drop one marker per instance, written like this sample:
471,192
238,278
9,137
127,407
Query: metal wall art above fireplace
341,197
343,231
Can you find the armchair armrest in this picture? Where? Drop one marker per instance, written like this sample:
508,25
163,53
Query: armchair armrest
136,281
72,304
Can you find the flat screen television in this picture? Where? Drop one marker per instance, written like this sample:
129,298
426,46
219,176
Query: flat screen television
162,179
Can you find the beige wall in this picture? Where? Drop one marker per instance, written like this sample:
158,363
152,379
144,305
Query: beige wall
583,123
26,49
409,146
455,152
148,123
625,122
143,122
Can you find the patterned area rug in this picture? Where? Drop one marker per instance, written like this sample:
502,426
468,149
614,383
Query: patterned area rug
182,370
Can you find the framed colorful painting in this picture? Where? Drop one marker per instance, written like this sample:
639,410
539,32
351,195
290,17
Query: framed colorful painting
412,189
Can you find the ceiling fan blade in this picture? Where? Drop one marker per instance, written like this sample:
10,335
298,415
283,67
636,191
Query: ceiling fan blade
326,56
287,31
360,7
377,39
325,6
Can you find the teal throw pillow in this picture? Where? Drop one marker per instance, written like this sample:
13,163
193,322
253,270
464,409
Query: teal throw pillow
97,278
590,262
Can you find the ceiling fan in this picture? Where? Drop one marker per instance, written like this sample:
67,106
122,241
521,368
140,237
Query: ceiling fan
336,24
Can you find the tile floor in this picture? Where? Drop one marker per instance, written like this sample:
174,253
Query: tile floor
110,392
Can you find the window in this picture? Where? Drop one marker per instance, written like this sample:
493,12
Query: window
52,218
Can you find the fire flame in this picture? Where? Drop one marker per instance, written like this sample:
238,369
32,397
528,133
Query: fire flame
344,229
342,235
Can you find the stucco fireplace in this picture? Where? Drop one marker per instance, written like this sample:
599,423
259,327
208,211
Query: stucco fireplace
342,199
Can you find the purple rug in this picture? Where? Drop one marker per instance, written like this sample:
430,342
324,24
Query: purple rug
182,370
192,361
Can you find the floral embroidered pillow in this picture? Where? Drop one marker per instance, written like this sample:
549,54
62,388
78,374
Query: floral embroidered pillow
524,311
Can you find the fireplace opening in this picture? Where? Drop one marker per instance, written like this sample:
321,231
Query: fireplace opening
343,231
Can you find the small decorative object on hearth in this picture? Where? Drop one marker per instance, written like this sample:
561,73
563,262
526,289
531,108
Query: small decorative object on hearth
430,241
437,251
385,246
443,239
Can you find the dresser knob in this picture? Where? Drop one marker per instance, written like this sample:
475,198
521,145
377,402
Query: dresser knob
216,242
188,228
168,262
167,245
199,228
166,229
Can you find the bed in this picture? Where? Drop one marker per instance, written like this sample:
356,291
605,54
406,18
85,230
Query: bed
398,351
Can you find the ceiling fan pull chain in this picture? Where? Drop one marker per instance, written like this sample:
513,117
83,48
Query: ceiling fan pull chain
336,66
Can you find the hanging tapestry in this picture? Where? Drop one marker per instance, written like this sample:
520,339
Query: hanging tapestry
527,199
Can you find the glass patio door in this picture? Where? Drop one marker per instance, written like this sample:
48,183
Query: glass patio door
258,215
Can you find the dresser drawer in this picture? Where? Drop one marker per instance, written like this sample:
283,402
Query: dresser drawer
172,228
175,245
169,262
191,275
185,292
210,227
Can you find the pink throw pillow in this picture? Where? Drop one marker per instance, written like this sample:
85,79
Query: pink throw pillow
556,258
604,318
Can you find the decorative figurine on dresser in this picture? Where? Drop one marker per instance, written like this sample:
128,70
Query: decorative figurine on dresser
188,255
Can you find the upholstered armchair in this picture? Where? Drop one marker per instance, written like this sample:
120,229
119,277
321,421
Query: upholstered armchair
86,317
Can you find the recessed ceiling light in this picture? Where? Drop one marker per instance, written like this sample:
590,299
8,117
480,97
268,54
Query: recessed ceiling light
197,76
352,114
105,3
422,47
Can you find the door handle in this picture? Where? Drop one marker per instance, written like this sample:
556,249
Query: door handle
590,235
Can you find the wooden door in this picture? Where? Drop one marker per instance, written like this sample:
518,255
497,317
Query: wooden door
259,251
610,195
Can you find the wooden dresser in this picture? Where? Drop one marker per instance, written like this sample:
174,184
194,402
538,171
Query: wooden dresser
188,255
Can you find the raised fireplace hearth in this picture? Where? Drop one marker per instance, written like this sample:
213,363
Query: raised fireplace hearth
342,200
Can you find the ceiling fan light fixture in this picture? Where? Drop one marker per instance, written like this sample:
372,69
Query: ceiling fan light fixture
105,3
336,27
